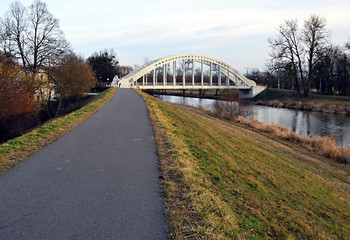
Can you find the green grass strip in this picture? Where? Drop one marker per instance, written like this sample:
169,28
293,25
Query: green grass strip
16,150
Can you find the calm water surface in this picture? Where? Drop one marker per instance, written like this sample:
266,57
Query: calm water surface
303,122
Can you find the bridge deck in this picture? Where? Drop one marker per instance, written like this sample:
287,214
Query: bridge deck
189,87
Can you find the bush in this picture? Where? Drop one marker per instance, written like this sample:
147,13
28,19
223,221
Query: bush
15,98
227,106
17,106
14,126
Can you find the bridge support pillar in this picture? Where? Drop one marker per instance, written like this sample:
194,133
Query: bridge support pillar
252,92
228,78
192,73
164,74
143,80
154,77
184,73
202,73
174,73
219,77
211,75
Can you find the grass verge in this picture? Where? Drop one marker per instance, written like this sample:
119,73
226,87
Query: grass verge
222,180
16,150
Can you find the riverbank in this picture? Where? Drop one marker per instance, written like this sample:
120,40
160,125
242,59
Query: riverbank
315,102
18,149
224,180
195,93
273,98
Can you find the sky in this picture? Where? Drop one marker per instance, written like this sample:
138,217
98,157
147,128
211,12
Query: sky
233,31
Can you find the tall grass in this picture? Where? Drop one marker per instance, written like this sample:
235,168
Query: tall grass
227,109
324,145
228,106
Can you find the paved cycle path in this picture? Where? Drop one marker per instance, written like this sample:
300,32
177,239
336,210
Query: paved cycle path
99,181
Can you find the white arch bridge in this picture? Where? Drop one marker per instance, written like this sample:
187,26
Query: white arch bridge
189,71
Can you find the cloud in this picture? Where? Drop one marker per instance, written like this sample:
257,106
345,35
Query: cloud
234,31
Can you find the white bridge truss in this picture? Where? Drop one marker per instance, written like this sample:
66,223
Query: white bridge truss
164,74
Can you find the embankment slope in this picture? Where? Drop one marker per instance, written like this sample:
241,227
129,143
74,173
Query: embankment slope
223,180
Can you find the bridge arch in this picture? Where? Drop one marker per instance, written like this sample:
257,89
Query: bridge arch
226,76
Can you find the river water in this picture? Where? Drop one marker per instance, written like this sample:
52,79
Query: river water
303,122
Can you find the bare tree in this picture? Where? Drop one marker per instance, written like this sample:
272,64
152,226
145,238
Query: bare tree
324,71
347,45
13,29
32,35
71,77
315,38
124,70
299,49
287,49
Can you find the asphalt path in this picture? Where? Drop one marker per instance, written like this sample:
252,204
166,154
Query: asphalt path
99,181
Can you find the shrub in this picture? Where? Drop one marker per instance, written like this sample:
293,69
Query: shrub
17,106
15,99
228,107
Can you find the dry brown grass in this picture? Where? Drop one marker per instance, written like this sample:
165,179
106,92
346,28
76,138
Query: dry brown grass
227,109
307,106
325,145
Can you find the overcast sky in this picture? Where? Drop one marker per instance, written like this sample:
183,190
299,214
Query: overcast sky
231,30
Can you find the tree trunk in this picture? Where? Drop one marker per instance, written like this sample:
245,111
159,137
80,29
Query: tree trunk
59,106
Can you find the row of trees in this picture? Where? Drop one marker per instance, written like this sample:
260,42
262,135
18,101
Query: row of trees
38,68
32,39
106,66
304,59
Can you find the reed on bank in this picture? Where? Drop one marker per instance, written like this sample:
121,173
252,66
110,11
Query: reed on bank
323,145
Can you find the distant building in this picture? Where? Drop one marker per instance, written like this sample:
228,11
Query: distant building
45,90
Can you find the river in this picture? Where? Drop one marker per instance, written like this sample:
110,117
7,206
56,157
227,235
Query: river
303,122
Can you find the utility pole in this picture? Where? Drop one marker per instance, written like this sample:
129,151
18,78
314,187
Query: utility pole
247,71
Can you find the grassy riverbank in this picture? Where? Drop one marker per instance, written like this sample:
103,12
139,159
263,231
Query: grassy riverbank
225,180
315,102
16,150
